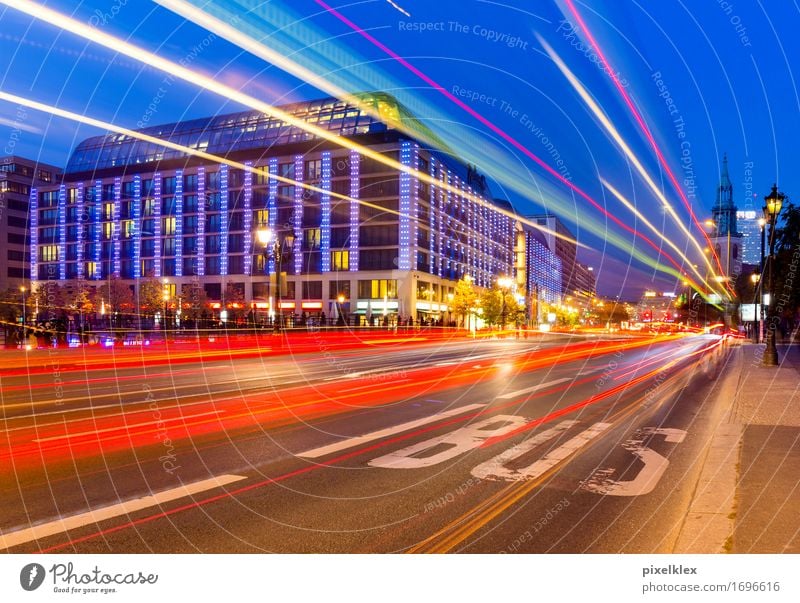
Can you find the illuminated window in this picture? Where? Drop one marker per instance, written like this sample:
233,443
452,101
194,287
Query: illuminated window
108,211
168,226
377,289
128,229
108,230
148,207
262,218
340,260
48,253
311,238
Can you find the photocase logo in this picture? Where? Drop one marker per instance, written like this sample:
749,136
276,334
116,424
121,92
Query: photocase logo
31,576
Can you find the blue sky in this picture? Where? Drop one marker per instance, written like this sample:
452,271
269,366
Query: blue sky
709,76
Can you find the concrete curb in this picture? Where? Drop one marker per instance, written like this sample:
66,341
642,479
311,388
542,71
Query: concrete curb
709,523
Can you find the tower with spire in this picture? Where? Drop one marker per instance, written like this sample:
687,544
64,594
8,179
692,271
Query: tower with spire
726,238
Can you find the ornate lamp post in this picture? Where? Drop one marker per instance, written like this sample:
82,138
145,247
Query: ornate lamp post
755,278
277,243
772,208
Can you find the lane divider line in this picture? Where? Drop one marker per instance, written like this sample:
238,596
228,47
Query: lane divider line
94,516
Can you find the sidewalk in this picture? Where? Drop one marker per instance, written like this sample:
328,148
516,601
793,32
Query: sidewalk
747,498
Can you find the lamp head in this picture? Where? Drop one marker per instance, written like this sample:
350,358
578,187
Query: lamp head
774,202
264,236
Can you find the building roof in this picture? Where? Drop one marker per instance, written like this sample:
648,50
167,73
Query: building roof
250,130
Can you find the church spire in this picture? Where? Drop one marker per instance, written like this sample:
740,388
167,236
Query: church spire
724,209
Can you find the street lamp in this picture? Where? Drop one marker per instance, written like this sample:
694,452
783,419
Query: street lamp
755,278
450,297
274,242
340,315
772,208
504,283
165,297
22,289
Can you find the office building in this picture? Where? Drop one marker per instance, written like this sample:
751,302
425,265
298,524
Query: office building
134,210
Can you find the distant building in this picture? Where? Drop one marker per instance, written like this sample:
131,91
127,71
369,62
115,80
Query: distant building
655,307
750,228
726,238
17,176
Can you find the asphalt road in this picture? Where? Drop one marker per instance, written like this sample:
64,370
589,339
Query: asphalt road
470,446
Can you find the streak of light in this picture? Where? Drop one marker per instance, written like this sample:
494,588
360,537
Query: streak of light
90,121
62,21
609,127
637,116
508,138
631,207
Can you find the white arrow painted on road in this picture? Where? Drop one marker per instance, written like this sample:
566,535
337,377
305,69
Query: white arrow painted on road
645,481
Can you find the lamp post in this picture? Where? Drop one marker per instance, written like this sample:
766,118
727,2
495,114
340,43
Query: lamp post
504,283
22,290
340,321
274,242
755,278
165,297
762,223
772,208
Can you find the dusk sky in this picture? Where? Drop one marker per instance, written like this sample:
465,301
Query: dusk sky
707,77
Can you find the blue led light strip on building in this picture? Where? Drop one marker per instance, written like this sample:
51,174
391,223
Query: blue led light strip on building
34,234
404,252
137,226
157,225
248,220
82,226
200,268
62,232
355,210
224,220
116,227
325,210
179,223
273,206
298,215
98,229
432,212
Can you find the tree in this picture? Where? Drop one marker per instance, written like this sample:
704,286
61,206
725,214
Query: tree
11,305
464,298
195,300
151,297
48,300
234,300
612,312
79,297
494,311
115,296
786,273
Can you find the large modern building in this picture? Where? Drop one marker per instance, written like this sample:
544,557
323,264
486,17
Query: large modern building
133,210
17,177
750,225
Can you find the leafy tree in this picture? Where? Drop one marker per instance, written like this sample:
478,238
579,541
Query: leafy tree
194,300
464,298
151,297
49,299
79,297
11,305
786,274
116,296
612,312
491,302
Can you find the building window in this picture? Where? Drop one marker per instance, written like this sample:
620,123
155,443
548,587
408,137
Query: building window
212,265
312,289
148,207
313,169
311,238
236,264
262,218
48,253
377,289
337,288
168,226
340,260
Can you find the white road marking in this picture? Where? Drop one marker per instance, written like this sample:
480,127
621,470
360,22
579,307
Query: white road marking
554,457
494,469
645,481
124,508
455,443
68,436
382,433
530,390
